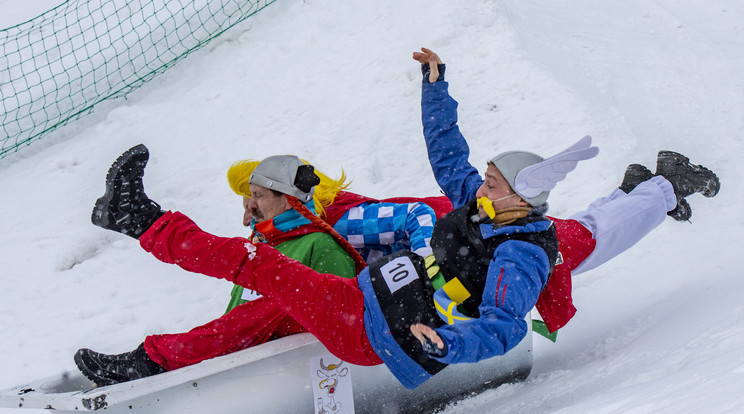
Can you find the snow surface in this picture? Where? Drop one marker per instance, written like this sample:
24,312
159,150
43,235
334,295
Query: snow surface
659,329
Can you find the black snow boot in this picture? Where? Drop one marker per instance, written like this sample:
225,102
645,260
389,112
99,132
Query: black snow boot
686,179
682,212
124,207
634,175
112,369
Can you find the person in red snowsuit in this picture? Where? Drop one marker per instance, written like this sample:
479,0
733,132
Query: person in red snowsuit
259,320
276,222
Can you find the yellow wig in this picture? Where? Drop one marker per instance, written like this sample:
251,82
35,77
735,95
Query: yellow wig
325,192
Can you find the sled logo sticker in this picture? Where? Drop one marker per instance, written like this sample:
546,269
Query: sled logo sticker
398,273
331,385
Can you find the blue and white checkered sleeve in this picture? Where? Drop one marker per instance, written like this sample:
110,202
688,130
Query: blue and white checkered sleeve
419,227
388,227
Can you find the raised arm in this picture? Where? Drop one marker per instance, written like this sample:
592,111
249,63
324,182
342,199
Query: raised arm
448,151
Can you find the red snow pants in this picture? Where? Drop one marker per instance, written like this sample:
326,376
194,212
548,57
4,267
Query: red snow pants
328,306
246,325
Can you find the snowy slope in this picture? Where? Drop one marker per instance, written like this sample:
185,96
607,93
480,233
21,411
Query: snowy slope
660,329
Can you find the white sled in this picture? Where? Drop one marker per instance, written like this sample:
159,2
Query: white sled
276,377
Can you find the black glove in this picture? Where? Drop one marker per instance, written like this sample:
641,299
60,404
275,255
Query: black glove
432,349
425,70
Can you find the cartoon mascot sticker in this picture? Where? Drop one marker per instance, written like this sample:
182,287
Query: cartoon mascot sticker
332,386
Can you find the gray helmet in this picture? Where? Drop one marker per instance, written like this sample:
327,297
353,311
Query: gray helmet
511,163
286,174
532,177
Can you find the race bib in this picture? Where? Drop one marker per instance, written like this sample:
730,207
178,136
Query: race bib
398,273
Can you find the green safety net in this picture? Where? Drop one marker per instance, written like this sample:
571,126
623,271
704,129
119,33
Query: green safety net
59,65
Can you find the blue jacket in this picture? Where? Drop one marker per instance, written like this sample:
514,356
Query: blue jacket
516,274
447,149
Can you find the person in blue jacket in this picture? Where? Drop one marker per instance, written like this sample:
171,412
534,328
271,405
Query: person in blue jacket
589,238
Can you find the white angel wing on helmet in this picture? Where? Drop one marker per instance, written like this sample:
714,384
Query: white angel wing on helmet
543,176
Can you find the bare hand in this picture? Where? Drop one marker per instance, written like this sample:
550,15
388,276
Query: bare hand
432,59
421,332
